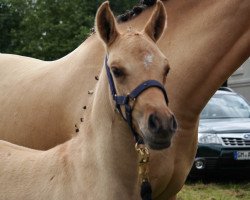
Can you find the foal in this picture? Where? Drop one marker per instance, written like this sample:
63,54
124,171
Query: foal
100,162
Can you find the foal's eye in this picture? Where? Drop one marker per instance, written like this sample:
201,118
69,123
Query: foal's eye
117,72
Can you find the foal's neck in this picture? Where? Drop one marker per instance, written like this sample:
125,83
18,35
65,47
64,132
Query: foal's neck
111,141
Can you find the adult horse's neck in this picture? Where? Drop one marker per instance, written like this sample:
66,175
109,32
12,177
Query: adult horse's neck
109,137
206,41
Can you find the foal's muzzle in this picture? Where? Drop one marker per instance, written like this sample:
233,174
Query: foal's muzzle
161,128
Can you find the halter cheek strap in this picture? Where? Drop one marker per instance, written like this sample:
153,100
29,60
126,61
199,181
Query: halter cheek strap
124,100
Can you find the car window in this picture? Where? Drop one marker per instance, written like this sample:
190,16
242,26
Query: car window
226,106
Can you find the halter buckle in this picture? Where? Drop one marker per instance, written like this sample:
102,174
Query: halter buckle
132,99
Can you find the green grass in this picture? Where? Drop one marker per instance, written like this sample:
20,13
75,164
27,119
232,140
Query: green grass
215,191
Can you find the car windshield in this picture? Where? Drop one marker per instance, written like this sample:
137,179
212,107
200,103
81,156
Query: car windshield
226,106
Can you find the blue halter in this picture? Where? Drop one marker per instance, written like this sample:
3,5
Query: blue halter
124,100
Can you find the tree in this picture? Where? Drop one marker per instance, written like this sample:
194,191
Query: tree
49,29
52,28
11,15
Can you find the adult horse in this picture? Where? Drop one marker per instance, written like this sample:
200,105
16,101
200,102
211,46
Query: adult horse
101,162
205,42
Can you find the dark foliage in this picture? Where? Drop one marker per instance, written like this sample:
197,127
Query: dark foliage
49,29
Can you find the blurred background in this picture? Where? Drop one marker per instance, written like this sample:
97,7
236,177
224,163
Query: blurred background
49,29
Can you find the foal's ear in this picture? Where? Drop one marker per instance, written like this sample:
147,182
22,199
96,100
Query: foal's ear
157,23
106,24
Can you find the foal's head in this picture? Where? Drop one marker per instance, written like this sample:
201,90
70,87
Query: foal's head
134,58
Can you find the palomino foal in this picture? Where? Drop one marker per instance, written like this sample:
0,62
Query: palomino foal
100,162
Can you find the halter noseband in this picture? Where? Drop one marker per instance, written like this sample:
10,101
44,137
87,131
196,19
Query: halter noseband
124,100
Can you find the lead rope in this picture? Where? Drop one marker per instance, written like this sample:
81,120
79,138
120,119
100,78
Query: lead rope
143,171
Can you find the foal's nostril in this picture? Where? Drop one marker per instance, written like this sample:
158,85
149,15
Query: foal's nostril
154,123
157,126
174,123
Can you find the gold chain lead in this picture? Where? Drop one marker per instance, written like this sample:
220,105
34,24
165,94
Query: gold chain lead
143,162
